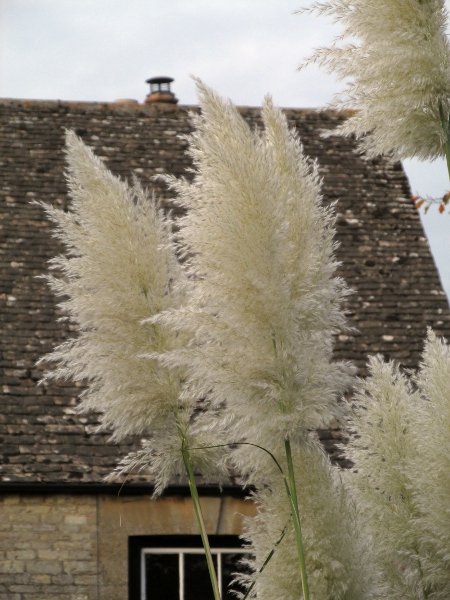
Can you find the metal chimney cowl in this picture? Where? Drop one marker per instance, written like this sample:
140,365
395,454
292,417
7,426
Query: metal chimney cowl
160,91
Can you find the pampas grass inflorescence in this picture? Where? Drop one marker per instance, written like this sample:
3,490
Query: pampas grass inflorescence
120,269
401,483
432,465
397,66
339,559
383,449
265,304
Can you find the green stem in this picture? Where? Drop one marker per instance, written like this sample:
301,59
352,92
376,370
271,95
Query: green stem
293,500
266,562
199,514
291,492
445,123
244,444
447,156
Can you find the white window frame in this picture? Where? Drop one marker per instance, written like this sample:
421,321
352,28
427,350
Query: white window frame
181,553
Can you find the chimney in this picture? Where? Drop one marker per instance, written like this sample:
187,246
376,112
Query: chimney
160,91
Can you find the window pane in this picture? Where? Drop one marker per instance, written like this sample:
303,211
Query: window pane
196,577
230,567
161,577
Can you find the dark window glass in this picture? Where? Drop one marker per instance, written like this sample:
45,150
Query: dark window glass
159,556
161,576
196,577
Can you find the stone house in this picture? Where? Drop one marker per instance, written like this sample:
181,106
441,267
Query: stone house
64,533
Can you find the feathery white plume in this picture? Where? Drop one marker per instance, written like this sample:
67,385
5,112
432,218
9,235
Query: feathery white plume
120,270
265,304
397,59
338,557
383,449
402,482
432,465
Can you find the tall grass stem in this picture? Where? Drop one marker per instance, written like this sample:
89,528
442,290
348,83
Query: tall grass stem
296,519
199,515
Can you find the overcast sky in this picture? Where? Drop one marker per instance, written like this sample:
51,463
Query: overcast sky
103,50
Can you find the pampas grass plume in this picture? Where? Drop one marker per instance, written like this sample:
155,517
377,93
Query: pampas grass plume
395,58
120,270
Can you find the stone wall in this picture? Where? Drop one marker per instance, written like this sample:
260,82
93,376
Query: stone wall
69,547
48,547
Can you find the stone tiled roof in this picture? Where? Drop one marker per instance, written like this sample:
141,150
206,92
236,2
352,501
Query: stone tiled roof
385,259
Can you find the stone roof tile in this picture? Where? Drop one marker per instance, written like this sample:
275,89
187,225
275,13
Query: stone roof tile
384,257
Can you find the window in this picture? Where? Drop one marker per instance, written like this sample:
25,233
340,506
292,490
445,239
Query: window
173,567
